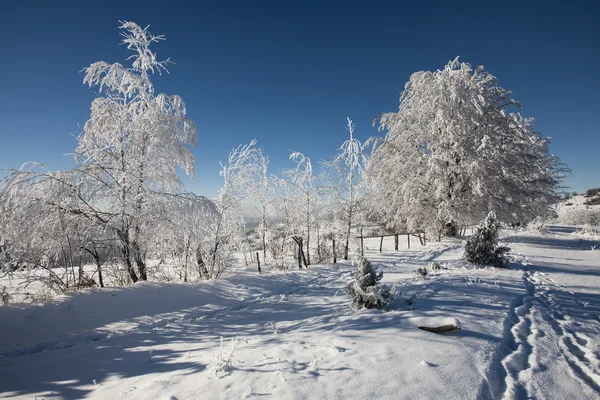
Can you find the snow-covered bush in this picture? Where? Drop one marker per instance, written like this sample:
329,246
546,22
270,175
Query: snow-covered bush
434,266
4,295
482,247
86,282
364,289
588,232
589,217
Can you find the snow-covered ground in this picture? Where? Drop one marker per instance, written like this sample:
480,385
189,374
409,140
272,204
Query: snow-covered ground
529,331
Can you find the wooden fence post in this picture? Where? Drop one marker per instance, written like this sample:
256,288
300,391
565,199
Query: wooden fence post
362,251
396,242
334,255
258,260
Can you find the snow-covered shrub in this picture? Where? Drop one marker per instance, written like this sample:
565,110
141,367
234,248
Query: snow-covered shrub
434,266
450,229
421,272
588,233
364,289
117,275
86,282
39,296
482,247
4,295
279,248
589,217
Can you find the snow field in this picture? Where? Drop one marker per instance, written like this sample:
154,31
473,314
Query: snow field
530,331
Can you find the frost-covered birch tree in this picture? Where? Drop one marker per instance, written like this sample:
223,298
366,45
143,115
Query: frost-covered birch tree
458,148
303,180
239,173
261,196
132,144
126,162
346,171
283,202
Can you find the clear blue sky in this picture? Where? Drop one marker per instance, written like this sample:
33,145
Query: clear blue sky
288,73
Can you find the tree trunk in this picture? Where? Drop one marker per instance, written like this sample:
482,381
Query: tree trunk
99,268
130,269
126,251
347,244
185,263
96,256
139,261
301,256
319,246
214,254
334,255
362,249
141,265
203,272
80,266
264,234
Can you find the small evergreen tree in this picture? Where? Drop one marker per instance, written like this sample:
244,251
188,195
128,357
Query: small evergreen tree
482,247
364,290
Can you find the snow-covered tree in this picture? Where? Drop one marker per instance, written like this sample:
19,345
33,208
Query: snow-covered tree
283,201
123,180
456,149
261,196
364,289
53,248
181,238
302,180
132,144
482,247
239,174
346,171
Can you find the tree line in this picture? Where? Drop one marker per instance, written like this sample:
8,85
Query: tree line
456,149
